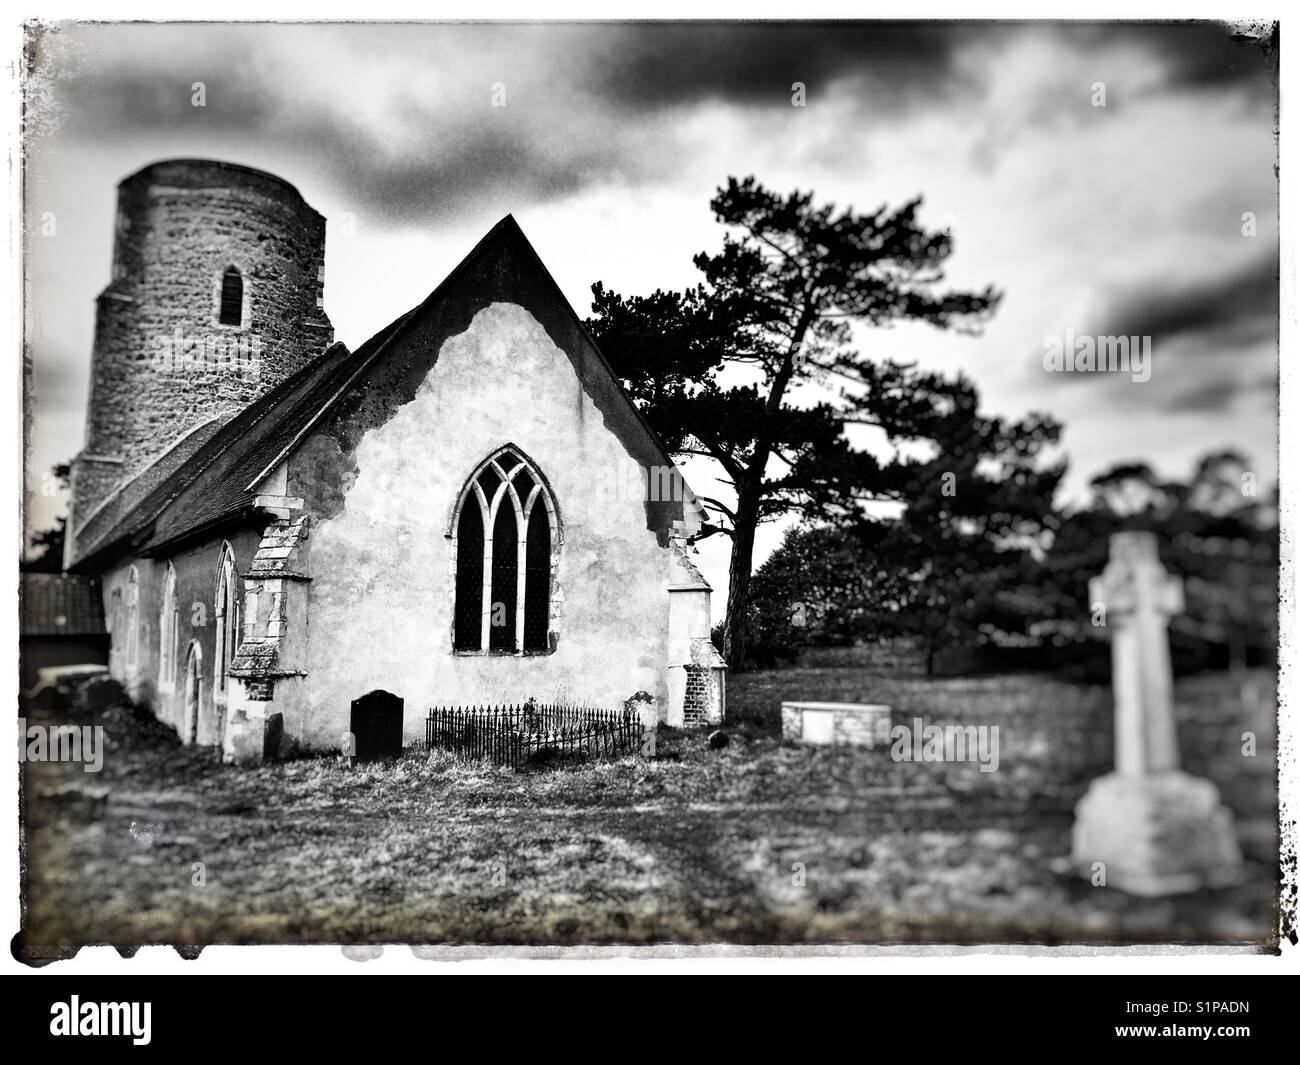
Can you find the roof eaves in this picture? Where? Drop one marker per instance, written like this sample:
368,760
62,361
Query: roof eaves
134,528
117,492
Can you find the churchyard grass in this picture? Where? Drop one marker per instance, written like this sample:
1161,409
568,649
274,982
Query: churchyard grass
760,842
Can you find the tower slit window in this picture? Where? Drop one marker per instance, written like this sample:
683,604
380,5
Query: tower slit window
232,297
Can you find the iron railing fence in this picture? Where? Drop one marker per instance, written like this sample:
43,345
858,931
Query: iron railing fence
532,734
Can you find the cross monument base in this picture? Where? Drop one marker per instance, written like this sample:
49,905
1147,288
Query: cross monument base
1158,834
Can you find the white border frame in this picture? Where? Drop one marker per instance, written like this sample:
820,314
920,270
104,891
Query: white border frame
892,960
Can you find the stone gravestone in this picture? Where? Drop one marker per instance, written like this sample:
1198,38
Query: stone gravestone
644,706
376,725
1158,830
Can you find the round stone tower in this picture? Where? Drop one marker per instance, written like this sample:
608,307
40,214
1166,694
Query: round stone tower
216,297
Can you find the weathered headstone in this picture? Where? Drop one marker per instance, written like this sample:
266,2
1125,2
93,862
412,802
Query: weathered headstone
1155,829
252,739
376,725
644,705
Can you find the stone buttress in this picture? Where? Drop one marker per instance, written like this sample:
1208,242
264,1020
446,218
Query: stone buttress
696,671
266,680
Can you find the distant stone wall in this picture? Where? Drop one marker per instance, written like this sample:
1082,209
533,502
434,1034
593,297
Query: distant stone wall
903,657
898,657
163,362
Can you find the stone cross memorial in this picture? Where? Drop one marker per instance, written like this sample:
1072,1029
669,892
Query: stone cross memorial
1152,828
1139,598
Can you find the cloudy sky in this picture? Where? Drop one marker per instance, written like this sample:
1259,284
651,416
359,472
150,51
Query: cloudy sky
1122,219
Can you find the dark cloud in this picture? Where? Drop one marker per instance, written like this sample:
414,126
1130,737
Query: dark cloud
431,155
495,166
570,90
667,65
1217,395
1206,340
1208,317
1202,54
159,99
425,157
588,103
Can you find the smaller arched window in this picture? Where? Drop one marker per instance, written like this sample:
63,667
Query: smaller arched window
168,633
232,297
132,617
227,620
193,693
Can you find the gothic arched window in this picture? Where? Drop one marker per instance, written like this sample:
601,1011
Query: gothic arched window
232,297
168,633
505,541
226,620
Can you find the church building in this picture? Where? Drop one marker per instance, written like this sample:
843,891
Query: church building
466,510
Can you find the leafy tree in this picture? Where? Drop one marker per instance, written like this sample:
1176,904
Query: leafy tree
717,368
979,513
827,585
46,553
957,568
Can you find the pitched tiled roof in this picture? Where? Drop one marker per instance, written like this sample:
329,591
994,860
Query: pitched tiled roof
58,604
107,518
239,433
257,436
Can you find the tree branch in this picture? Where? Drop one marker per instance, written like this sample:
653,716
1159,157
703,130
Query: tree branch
770,243
718,506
